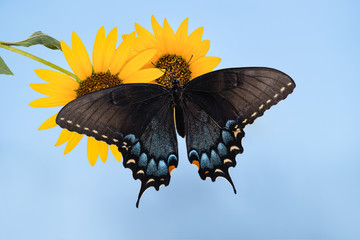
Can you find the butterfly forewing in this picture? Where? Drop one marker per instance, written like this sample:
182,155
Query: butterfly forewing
138,119
222,103
250,91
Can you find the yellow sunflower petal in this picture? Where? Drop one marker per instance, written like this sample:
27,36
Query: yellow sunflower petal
156,27
145,36
110,49
51,89
201,51
57,78
144,76
52,101
98,50
115,151
182,31
197,34
72,60
82,55
181,35
136,63
122,53
104,150
158,33
204,65
193,42
92,150
104,49
49,123
63,138
73,141
169,37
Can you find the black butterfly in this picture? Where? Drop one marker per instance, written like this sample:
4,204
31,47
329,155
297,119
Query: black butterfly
211,111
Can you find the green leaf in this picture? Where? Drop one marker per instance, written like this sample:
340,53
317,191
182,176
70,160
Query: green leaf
4,69
37,38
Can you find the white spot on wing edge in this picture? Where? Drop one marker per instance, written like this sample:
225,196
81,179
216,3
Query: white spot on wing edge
227,160
282,89
130,161
232,148
68,121
219,170
140,172
150,180
94,131
289,84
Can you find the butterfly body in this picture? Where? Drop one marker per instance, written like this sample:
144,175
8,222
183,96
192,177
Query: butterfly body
210,111
177,106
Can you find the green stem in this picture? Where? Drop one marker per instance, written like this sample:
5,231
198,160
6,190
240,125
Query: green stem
26,54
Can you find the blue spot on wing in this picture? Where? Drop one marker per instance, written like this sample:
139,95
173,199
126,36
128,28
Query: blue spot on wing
193,154
136,149
227,138
230,124
162,168
143,160
151,169
205,161
215,159
222,150
131,138
172,159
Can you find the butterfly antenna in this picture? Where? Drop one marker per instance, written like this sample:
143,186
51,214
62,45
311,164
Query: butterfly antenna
190,59
158,67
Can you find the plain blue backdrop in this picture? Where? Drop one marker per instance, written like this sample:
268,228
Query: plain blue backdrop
298,177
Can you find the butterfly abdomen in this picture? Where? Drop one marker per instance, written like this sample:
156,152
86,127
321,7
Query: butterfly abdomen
178,110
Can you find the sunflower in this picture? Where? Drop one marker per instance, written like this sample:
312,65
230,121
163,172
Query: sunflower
110,66
179,55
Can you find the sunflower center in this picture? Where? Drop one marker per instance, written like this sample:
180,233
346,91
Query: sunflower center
175,67
96,82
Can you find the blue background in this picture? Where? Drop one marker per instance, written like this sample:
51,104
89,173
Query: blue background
297,179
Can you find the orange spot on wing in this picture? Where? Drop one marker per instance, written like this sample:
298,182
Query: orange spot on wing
195,162
206,172
163,179
171,168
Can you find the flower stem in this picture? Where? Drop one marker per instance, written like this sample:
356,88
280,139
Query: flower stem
26,54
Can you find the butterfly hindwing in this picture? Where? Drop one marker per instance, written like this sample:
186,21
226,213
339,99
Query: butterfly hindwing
138,119
209,147
158,155
218,106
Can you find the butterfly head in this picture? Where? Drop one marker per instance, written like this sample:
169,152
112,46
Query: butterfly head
175,83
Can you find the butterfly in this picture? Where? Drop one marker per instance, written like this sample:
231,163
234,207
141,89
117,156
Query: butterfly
211,111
